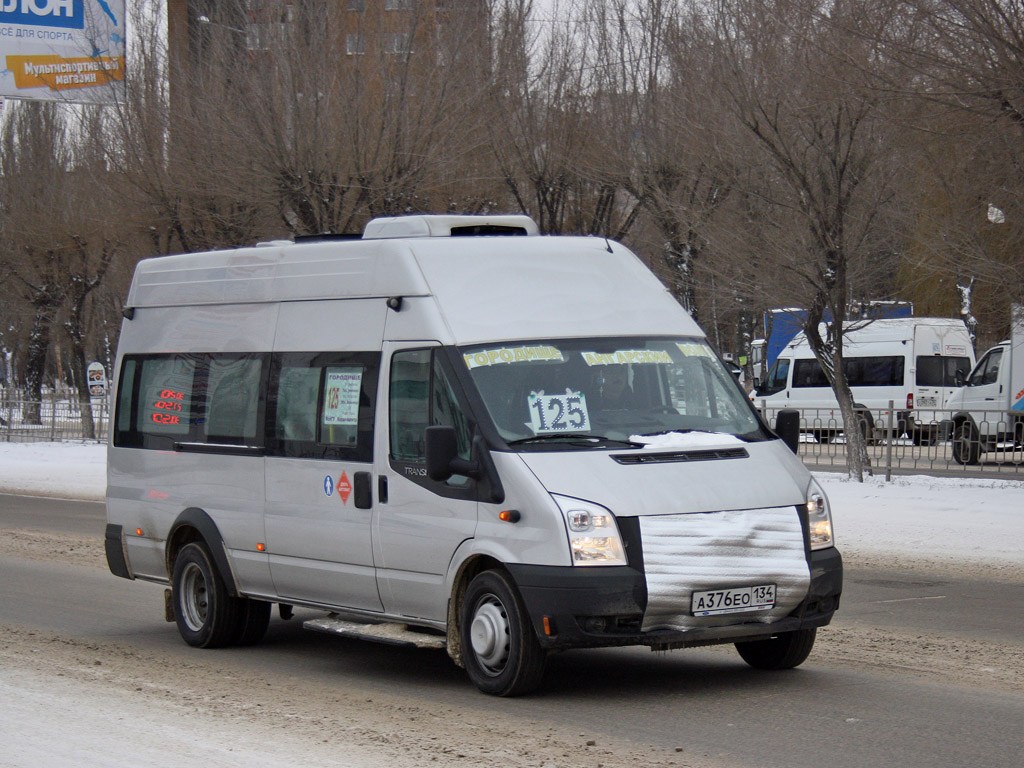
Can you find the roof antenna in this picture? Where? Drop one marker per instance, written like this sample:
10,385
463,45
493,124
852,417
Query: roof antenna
608,244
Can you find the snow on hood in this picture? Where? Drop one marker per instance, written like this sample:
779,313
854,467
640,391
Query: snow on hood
674,440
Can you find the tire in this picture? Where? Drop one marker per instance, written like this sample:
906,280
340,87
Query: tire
252,621
206,615
785,651
966,446
499,648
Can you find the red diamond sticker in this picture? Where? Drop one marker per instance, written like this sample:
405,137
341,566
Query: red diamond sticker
344,488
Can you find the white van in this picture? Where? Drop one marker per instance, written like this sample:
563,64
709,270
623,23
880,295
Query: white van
912,362
454,432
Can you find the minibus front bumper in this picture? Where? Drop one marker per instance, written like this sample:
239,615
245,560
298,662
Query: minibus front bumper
592,607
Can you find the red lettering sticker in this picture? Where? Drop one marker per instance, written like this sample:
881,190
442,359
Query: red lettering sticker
344,488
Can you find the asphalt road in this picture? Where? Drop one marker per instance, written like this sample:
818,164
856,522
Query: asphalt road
704,701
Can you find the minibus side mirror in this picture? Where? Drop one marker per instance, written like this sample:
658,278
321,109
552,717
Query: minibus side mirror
787,427
442,449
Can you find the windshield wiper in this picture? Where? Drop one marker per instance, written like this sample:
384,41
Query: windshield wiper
580,438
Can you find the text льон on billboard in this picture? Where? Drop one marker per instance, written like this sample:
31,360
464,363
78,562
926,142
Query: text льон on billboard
67,50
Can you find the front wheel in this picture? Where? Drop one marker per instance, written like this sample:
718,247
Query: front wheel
966,444
499,647
784,651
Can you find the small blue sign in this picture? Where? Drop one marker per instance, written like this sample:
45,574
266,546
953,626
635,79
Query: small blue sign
329,486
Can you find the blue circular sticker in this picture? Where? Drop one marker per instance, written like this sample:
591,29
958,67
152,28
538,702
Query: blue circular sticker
329,485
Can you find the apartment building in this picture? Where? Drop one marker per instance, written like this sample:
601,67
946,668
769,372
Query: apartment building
428,33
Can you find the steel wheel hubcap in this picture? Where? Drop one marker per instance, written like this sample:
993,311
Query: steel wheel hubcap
489,634
194,598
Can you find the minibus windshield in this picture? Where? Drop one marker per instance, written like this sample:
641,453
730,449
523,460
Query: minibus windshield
597,392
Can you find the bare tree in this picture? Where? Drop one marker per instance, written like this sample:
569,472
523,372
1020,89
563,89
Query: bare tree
659,57
801,83
966,60
555,131
55,249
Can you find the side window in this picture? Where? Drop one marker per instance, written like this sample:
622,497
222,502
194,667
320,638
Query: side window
931,371
322,405
421,396
808,373
987,371
295,396
125,397
409,404
157,403
167,396
189,398
992,369
232,400
874,371
940,371
776,379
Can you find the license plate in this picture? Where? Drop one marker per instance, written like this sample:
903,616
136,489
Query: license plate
738,600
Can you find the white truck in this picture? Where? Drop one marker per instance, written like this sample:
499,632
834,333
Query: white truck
987,412
912,362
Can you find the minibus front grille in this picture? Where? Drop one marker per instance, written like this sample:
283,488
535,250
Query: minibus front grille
674,456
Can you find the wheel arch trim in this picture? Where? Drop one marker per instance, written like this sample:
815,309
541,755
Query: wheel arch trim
194,524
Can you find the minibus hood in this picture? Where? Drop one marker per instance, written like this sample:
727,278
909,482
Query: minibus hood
653,482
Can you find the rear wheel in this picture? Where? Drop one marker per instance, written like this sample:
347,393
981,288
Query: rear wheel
866,424
784,651
206,615
966,445
499,647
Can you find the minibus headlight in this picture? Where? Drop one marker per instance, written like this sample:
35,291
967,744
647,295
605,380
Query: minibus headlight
593,535
819,517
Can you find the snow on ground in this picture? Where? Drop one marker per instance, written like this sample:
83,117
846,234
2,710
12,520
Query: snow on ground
913,518
972,521
65,470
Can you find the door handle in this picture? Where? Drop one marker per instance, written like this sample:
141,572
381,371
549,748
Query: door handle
362,490
382,489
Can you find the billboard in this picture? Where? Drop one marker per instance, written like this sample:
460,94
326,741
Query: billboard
62,50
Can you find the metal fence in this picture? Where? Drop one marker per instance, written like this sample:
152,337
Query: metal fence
52,419
919,441
898,442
